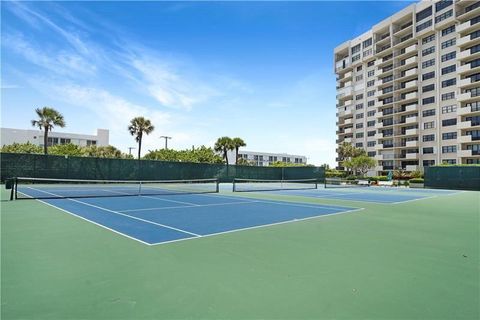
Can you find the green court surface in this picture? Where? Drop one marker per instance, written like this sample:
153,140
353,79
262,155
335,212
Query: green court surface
412,260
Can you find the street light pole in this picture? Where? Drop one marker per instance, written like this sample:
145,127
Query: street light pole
130,150
166,140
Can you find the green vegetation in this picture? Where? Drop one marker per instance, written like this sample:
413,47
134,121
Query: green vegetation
287,164
416,180
68,149
137,128
361,164
202,155
237,143
48,118
223,145
22,148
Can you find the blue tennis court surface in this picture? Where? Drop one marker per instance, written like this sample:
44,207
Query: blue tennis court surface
368,194
160,219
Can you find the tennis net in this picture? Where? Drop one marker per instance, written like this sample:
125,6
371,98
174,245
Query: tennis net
344,183
245,185
39,188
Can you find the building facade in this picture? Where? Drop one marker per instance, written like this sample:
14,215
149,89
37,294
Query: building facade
10,136
265,158
408,90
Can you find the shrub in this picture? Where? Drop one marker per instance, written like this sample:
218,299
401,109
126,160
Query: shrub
416,180
382,178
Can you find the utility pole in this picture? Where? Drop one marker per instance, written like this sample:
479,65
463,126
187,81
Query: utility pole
130,150
166,140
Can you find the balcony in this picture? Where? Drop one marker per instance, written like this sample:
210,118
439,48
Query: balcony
348,140
411,120
465,125
411,132
409,97
467,69
408,63
412,168
347,76
411,156
412,144
407,51
465,139
464,153
467,41
465,97
378,146
348,121
467,54
378,136
468,110
466,27
348,130
464,82
378,157
379,168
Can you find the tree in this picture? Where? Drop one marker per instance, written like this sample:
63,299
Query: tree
68,149
47,119
237,143
202,154
104,152
347,151
223,145
22,148
362,164
139,126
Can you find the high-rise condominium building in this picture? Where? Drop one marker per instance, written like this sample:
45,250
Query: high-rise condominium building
408,90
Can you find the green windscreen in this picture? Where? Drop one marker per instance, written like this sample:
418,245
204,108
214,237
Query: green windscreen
61,167
453,177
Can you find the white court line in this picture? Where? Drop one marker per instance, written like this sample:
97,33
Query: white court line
423,198
194,206
85,219
119,213
259,226
168,200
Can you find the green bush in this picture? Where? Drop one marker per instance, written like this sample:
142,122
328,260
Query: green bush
373,179
416,180
382,178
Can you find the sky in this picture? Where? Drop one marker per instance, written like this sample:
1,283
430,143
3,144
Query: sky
262,71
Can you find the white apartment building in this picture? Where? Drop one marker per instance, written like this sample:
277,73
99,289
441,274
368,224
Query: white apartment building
408,90
10,136
265,158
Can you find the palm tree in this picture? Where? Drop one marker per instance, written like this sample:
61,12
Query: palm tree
224,144
47,119
237,143
138,126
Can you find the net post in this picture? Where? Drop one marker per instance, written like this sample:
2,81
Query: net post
233,185
217,185
140,188
15,188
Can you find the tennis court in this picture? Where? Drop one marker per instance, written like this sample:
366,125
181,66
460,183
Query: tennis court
88,249
311,188
166,211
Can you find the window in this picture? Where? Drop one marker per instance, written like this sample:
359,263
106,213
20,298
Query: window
426,52
449,69
359,116
359,97
355,58
428,39
449,56
428,100
91,142
371,73
449,135
473,6
429,125
428,137
442,4
64,140
428,113
449,109
449,43
428,150
449,149
449,82
370,83
428,88
371,113
359,68
424,13
371,133
359,135
448,30
371,103
428,63
371,63
359,145
424,25
371,144
444,16
356,49
429,75
371,123
448,96
449,161
359,106
371,154
359,125
428,163
367,43
449,122
358,78
370,93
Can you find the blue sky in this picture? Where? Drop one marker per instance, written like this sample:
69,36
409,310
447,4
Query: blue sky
258,70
